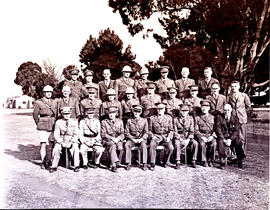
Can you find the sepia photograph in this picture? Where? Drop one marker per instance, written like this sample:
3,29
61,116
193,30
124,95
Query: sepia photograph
135,104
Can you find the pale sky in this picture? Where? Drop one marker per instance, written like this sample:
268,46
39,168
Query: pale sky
34,30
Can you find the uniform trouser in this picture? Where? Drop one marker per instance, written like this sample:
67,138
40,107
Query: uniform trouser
49,151
243,136
153,150
224,149
143,148
98,150
112,148
207,150
193,144
74,150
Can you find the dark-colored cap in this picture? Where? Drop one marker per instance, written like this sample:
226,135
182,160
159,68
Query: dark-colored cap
172,89
74,71
91,89
88,73
151,85
235,82
184,107
112,109
205,103
164,69
160,105
194,87
65,110
137,108
90,110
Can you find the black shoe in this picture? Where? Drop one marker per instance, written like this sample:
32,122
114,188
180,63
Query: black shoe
177,166
52,170
128,167
204,164
210,164
42,165
193,164
118,165
114,169
221,167
152,167
77,169
85,167
240,164
144,167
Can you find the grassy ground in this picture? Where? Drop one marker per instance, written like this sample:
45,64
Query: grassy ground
27,186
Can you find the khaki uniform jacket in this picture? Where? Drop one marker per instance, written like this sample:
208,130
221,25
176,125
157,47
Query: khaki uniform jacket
103,89
163,84
76,88
172,107
127,105
204,126
85,91
140,87
121,86
66,131
204,88
87,103
183,128
148,104
73,103
240,106
106,104
161,129
110,129
89,132
136,129
44,114
228,130
183,87
195,105
217,105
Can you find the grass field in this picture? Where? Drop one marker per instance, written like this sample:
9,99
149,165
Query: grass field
27,186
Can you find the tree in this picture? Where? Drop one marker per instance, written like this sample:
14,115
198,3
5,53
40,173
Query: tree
52,69
106,51
32,80
235,32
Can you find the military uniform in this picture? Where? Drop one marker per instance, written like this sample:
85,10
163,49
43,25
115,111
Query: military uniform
140,87
90,137
136,129
85,90
217,104
111,129
107,104
76,88
205,87
121,86
163,85
172,107
204,127
162,129
183,130
88,103
66,131
148,102
70,102
127,107
103,87
195,104
183,87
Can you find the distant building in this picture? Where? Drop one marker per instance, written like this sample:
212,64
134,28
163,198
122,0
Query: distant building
20,102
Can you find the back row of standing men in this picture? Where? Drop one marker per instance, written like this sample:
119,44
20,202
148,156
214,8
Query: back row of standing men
124,96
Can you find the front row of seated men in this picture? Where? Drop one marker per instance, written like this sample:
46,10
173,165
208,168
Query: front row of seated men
200,136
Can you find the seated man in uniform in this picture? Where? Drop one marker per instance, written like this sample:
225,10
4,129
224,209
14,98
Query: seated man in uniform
205,134
112,134
160,133
172,102
89,136
66,136
184,135
194,101
136,133
227,130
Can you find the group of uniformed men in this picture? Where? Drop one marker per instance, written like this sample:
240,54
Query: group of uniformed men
116,115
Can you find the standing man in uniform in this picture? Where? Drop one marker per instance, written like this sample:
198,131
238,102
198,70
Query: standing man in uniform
66,100
88,75
160,133
106,84
184,83
112,134
90,137
194,101
44,114
111,95
241,105
217,100
124,82
184,135
227,130
91,102
149,100
164,82
172,102
75,85
206,82
141,84
136,133
66,136
205,134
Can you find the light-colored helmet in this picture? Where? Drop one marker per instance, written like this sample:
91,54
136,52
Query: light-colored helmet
126,68
129,90
111,92
48,88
